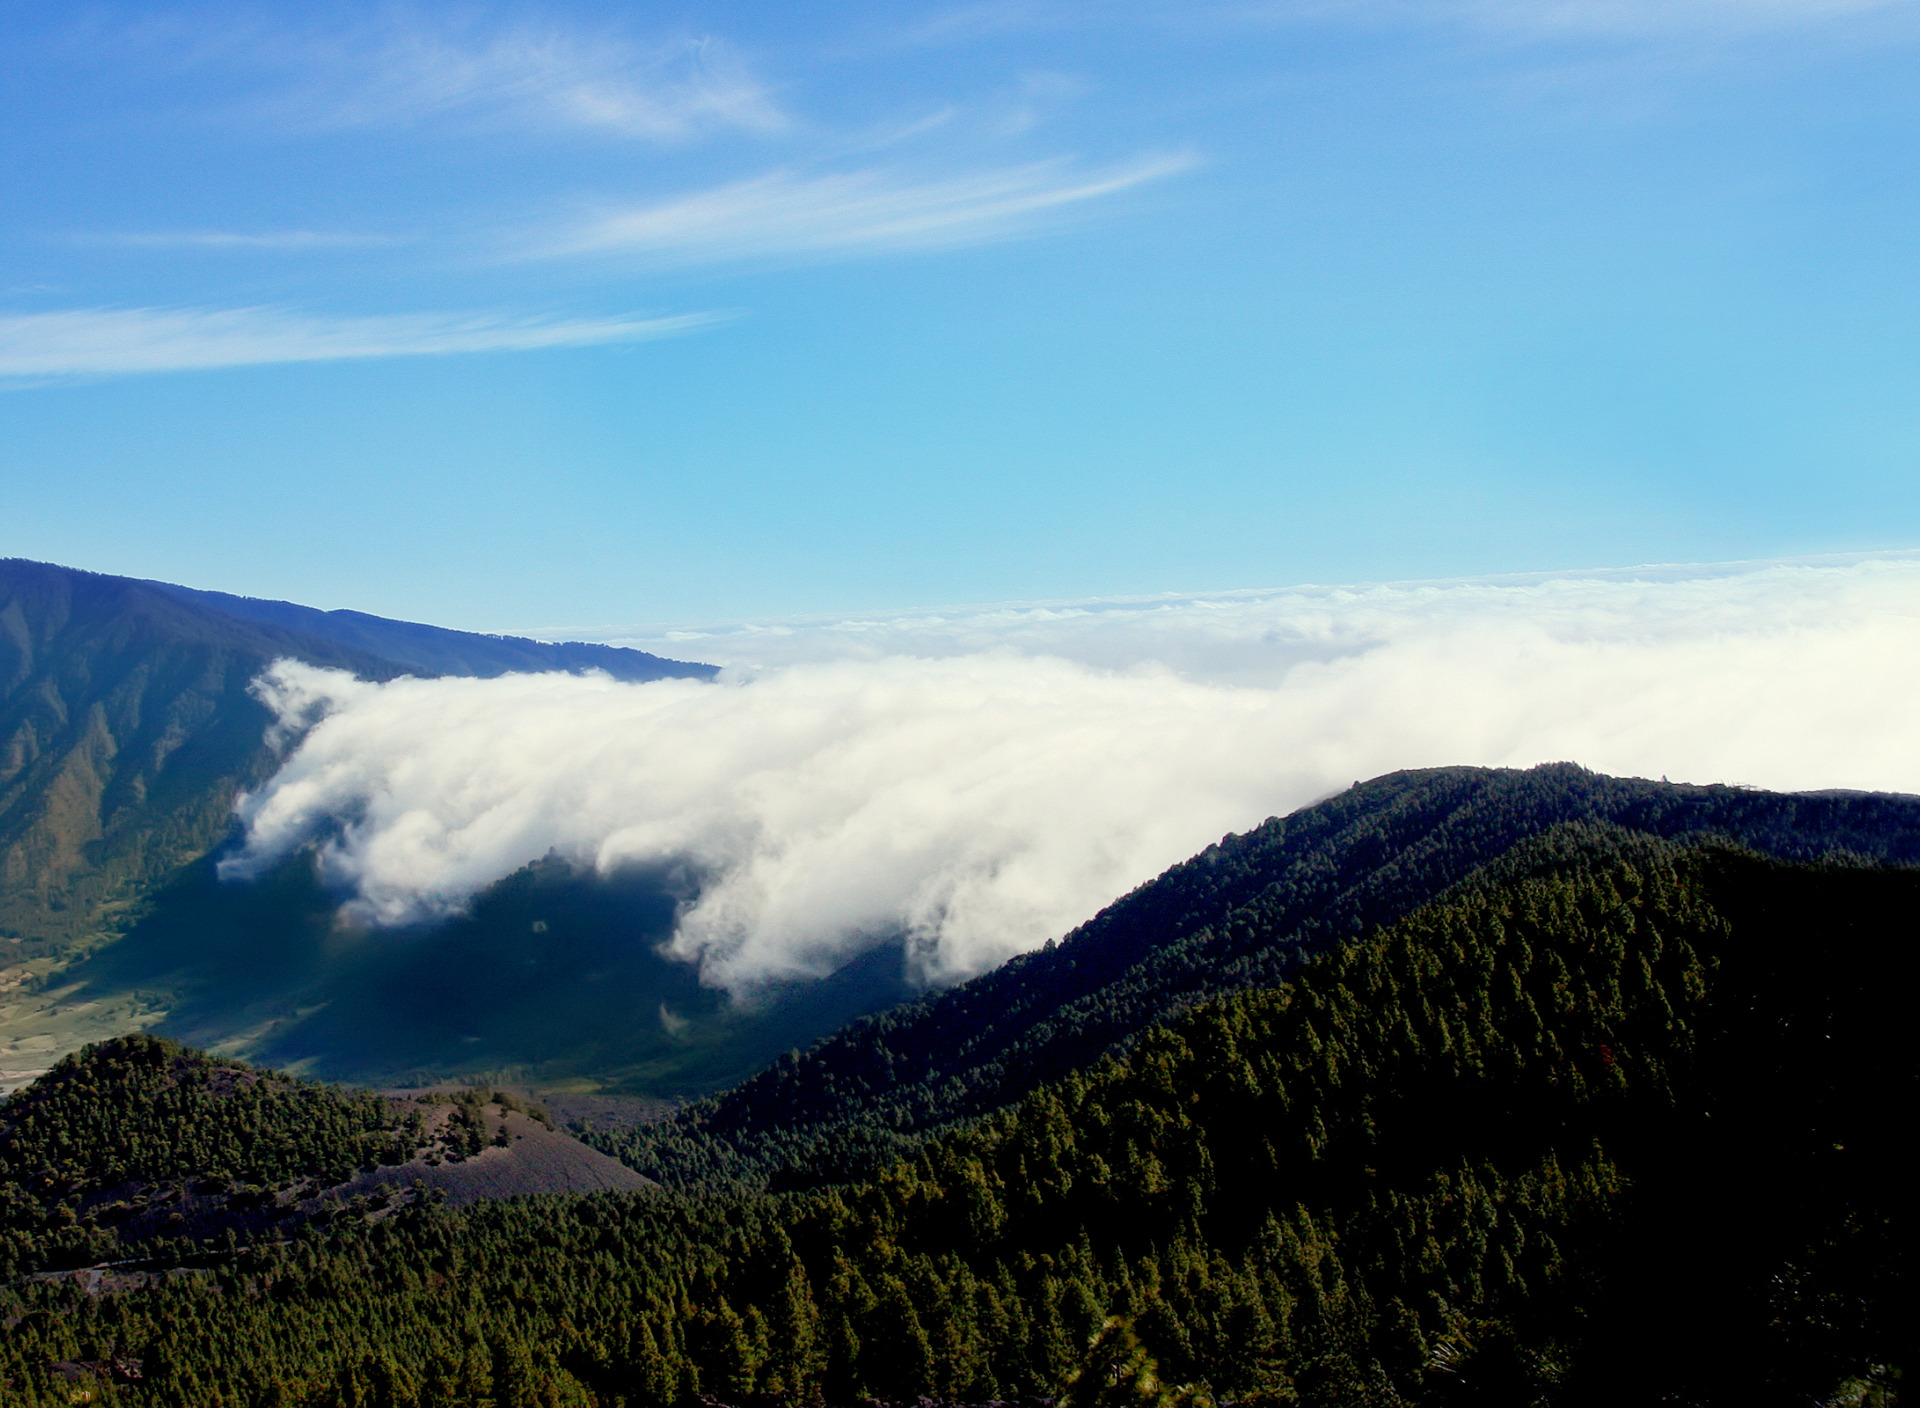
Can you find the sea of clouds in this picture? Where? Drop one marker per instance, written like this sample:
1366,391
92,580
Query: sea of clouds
981,780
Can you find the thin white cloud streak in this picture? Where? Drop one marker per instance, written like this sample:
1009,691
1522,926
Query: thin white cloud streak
1629,18
1616,19
463,70
563,77
273,240
1590,19
784,212
986,801
118,341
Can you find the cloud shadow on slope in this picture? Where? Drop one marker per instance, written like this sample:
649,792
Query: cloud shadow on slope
554,976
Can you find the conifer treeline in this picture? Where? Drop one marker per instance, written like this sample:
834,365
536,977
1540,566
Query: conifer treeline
1624,1126
1242,914
139,1111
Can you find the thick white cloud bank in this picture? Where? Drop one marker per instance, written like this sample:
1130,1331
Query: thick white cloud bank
984,781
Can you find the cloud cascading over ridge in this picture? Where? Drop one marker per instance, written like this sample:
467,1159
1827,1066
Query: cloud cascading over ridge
110,341
988,800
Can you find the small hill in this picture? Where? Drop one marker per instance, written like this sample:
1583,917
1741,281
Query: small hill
1241,914
140,1142
140,1137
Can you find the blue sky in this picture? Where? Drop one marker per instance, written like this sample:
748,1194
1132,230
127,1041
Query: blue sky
510,317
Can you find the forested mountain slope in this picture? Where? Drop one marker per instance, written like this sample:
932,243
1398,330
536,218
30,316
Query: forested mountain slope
1617,1123
1241,914
126,728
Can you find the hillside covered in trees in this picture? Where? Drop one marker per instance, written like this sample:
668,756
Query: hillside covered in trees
106,1146
1240,915
1617,1120
138,1150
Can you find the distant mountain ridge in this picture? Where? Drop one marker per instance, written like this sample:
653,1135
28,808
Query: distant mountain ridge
434,650
127,727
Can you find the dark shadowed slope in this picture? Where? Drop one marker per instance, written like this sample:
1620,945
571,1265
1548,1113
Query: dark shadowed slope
1241,914
553,975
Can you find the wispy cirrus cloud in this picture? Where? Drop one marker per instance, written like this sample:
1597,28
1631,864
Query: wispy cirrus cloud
1667,17
785,212
991,20
118,341
239,240
1603,19
406,71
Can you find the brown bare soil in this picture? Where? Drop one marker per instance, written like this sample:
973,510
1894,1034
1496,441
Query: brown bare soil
534,1159
509,1154
604,1112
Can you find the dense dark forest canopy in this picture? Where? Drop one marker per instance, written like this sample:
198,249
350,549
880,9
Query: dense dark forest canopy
1241,915
1617,1120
